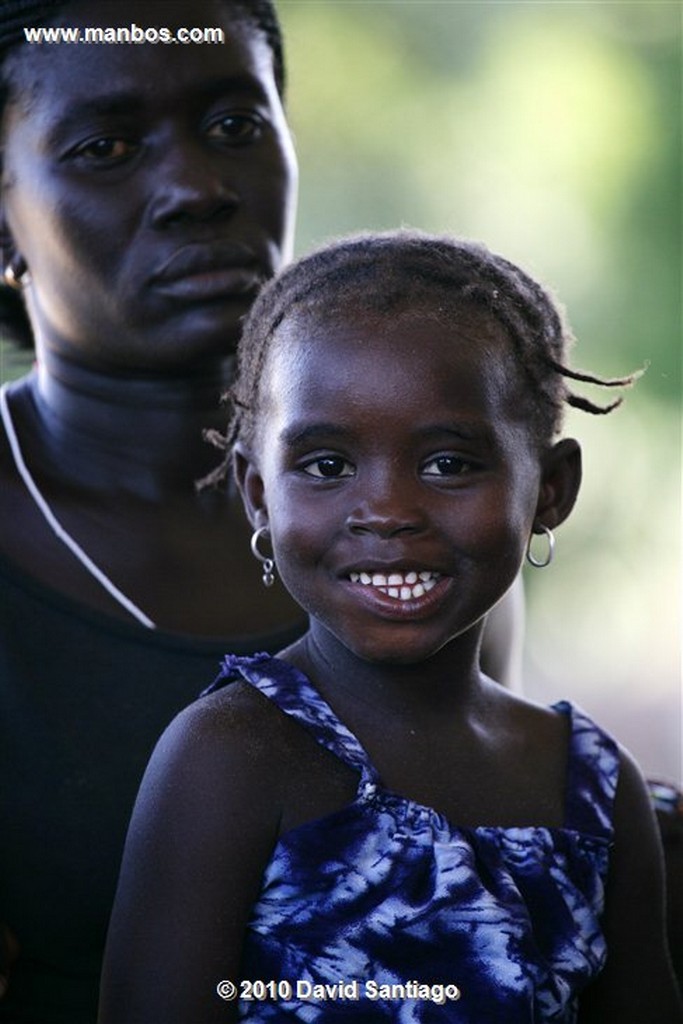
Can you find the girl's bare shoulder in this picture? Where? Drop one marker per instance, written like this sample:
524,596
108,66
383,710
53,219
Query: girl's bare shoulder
252,751
235,727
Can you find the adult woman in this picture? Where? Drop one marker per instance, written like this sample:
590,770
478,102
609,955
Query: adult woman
147,191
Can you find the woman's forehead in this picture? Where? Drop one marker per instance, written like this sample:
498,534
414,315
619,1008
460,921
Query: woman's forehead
66,74
122,26
17,15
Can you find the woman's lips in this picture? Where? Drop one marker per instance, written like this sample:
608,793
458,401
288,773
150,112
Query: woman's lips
218,282
218,270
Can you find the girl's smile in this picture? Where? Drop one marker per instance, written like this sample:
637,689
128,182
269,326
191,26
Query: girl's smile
404,586
397,477
400,595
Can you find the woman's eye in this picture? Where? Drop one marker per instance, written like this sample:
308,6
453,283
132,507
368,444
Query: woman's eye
237,128
329,467
106,150
447,465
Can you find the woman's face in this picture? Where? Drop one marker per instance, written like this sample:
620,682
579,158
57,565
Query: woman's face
149,188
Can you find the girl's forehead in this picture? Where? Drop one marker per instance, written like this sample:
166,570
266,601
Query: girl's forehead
435,333
390,382
320,358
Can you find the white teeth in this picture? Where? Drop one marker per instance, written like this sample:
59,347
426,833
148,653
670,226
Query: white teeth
403,586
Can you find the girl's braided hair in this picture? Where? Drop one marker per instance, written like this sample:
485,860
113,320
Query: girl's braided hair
16,15
392,272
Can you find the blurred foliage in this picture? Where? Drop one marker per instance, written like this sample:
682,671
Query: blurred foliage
552,132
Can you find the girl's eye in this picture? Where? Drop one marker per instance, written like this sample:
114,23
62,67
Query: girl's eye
237,129
106,150
447,465
329,467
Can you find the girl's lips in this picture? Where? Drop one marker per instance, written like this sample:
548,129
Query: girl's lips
405,600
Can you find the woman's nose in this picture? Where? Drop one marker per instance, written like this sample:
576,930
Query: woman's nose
191,185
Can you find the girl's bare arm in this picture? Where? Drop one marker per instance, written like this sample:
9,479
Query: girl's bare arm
637,984
202,831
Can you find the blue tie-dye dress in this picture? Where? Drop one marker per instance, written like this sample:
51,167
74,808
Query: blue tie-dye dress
406,917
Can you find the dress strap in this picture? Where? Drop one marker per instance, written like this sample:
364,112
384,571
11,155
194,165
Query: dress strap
296,696
592,774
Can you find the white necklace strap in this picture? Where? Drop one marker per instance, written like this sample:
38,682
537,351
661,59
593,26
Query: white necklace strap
53,522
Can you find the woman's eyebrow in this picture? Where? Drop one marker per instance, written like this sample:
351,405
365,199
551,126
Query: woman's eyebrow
132,101
116,104
107,103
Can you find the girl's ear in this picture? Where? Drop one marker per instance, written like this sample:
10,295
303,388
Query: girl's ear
560,483
250,485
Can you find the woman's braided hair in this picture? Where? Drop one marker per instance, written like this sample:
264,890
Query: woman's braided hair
392,272
16,15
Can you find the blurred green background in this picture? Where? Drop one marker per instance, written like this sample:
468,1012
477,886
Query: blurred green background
551,131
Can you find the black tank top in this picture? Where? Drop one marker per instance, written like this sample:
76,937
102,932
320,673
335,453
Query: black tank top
83,699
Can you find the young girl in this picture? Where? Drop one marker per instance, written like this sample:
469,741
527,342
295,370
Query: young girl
366,828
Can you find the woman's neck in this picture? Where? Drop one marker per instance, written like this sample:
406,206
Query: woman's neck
139,434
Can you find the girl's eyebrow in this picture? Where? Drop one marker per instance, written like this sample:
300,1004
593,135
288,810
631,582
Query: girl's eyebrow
465,430
299,434
302,434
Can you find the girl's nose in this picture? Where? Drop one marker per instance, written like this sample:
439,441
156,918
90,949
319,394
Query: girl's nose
386,515
190,185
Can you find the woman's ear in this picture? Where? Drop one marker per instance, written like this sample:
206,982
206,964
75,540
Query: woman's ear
7,248
560,483
250,485
12,264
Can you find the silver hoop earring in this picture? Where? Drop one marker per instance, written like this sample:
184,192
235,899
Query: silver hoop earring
267,563
550,537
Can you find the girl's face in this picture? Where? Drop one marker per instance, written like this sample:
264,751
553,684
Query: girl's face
398,475
149,188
